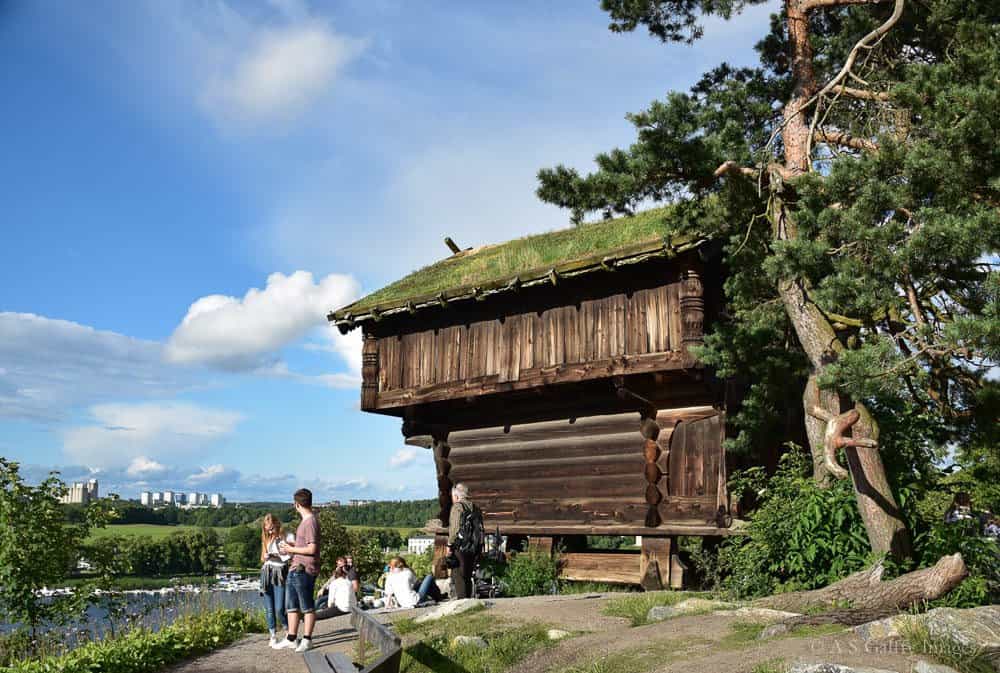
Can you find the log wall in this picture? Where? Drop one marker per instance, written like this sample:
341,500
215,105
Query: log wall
599,474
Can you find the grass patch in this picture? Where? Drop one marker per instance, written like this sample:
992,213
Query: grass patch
770,666
567,587
650,656
741,634
961,658
145,530
427,647
634,607
496,263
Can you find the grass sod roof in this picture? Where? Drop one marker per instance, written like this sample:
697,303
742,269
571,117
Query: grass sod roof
522,262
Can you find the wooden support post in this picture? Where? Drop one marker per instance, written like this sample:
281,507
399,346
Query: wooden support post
654,562
443,465
540,543
440,551
692,303
651,453
369,372
677,568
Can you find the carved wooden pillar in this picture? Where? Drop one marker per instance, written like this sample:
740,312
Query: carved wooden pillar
692,302
369,372
443,465
651,453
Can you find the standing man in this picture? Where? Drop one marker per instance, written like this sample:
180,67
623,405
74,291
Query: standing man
301,582
464,544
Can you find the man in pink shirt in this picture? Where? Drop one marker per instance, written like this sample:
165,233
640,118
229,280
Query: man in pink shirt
301,582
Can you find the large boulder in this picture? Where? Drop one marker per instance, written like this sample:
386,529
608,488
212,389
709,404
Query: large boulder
452,608
973,630
469,641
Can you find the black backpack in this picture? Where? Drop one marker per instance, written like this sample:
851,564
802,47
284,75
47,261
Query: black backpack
471,531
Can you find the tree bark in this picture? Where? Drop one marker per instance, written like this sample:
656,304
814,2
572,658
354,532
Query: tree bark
863,596
883,522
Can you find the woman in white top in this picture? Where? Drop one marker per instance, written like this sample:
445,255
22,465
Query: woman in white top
399,586
273,571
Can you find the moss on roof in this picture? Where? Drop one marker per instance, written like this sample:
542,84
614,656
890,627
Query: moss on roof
521,257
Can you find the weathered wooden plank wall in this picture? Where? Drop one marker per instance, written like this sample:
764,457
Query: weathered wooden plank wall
645,322
594,472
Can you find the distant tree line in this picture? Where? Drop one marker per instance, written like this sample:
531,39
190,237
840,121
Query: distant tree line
183,553
393,513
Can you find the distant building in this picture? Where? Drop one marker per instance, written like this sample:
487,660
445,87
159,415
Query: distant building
217,500
168,497
359,503
146,498
194,499
332,503
181,499
81,493
418,544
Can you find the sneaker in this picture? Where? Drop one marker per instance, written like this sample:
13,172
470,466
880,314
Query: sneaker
284,644
273,641
304,645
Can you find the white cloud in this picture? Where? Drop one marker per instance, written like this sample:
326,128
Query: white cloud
213,475
143,467
244,334
403,457
124,432
50,366
276,74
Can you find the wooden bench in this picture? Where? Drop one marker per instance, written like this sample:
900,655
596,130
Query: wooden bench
371,632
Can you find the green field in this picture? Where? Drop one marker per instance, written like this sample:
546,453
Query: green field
147,529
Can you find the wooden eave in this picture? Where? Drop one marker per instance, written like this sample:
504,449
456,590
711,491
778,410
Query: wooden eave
661,248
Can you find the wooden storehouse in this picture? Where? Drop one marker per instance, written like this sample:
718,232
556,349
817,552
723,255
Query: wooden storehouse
553,375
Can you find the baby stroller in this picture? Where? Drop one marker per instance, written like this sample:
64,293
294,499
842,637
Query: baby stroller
489,568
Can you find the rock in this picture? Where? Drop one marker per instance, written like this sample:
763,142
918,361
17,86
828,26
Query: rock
890,628
833,668
774,630
557,634
687,607
452,608
927,667
976,630
765,615
469,641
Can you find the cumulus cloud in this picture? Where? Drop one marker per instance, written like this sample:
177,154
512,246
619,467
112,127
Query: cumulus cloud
122,433
276,74
403,457
143,467
244,334
49,366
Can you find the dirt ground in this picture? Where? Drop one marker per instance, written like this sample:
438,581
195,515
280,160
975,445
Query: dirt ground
692,644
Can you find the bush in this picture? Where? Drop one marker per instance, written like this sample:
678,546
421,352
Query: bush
530,573
801,536
144,650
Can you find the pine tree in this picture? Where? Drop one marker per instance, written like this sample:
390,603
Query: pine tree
855,178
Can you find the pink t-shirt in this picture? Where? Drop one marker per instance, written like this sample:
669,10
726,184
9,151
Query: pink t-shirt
307,533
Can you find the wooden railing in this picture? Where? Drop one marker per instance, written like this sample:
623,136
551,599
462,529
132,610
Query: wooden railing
371,633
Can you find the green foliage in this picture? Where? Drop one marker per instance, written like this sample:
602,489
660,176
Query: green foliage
635,607
530,573
189,552
800,537
337,540
242,547
38,548
141,650
960,657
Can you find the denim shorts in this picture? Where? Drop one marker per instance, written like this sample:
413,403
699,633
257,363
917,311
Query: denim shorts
299,589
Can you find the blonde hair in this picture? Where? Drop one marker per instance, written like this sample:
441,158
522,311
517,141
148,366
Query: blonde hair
270,522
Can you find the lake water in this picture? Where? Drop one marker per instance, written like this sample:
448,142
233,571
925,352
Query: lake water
152,609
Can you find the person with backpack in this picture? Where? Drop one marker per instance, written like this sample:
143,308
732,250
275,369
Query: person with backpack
466,534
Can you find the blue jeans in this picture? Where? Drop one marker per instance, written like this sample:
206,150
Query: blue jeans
428,588
274,607
299,590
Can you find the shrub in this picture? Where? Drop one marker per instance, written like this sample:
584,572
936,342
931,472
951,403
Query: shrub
530,573
143,650
801,536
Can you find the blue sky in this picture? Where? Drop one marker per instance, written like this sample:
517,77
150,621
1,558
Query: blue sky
189,187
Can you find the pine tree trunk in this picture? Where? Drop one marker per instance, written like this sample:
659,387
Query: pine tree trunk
883,522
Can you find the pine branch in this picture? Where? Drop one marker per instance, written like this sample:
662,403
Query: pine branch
845,140
862,94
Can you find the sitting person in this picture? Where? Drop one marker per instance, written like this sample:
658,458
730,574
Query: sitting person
399,586
992,528
339,597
